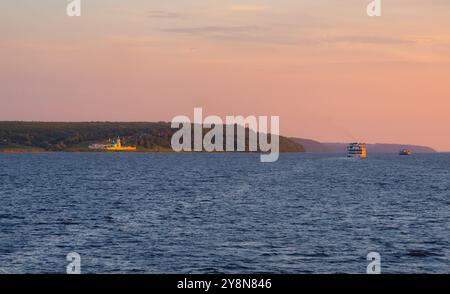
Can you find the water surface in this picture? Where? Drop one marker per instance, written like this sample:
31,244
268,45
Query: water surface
223,213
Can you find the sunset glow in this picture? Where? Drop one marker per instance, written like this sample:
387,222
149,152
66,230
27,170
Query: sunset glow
328,70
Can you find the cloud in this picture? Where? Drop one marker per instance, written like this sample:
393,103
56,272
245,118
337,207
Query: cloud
163,14
132,41
208,30
368,40
142,13
247,8
240,34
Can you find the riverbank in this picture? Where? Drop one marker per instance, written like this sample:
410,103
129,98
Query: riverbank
77,137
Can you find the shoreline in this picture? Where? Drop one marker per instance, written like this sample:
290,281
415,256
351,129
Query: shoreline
137,151
82,151
183,152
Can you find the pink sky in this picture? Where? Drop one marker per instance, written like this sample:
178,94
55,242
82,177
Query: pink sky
327,69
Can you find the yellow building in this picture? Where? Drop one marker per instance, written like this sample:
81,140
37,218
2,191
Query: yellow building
115,146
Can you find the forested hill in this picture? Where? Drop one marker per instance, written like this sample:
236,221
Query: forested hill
59,136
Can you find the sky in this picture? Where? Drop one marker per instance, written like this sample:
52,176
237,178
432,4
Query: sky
329,71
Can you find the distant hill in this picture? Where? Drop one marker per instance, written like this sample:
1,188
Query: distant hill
61,136
316,146
381,148
311,145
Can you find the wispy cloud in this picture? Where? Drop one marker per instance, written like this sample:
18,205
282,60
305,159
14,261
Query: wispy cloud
205,30
247,8
259,34
143,13
362,39
163,14
132,41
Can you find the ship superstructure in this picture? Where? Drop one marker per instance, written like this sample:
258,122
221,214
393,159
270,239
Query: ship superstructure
357,150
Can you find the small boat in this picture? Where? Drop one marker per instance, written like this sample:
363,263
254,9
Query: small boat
357,150
405,152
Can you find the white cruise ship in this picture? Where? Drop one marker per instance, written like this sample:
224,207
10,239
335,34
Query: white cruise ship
357,150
